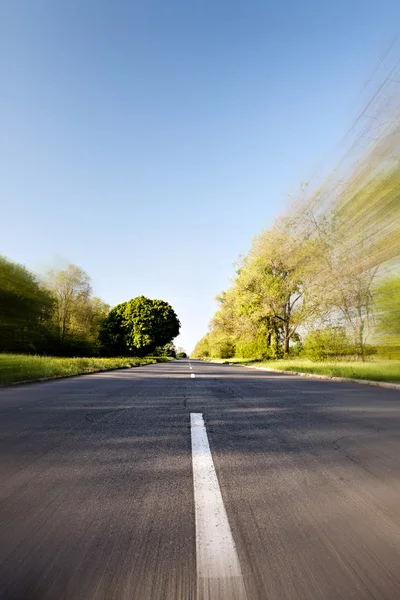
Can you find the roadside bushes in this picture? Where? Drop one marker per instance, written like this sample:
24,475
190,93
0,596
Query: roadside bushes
252,347
211,346
327,343
225,349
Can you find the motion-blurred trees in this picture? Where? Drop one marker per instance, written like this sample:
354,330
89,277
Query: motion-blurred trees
25,309
317,271
58,316
387,296
344,274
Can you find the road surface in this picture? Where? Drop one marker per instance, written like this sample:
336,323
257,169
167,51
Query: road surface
170,482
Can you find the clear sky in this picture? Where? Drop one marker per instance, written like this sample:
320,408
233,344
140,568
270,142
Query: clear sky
147,142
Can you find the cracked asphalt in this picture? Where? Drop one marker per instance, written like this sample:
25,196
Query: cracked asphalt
96,495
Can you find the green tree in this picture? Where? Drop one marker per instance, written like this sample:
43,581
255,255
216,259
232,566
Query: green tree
274,284
72,291
25,309
139,326
180,352
166,350
202,348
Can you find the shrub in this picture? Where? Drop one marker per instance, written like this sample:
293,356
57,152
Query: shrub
225,349
297,349
327,342
253,347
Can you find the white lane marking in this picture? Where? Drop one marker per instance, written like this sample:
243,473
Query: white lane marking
190,367
192,375
219,575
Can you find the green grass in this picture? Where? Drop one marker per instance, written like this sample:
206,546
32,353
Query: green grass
21,367
374,370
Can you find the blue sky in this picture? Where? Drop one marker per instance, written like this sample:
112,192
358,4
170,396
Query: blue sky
148,142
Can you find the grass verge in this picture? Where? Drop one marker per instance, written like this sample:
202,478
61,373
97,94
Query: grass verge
15,368
373,370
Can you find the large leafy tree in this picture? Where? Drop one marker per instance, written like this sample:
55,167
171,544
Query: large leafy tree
274,283
77,316
139,326
72,292
25,309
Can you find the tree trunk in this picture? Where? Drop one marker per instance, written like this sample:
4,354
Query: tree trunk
360,336
286,339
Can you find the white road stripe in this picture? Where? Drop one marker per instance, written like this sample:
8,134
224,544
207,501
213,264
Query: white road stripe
219,576
192,375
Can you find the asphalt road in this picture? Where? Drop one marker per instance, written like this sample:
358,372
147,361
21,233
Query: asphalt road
96,485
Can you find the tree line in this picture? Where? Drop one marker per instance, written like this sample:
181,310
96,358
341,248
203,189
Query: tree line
324,281
59,316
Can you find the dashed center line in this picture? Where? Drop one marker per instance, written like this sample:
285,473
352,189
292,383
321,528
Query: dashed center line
192,375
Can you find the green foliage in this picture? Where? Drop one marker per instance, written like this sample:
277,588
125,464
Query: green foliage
224,349
25,309
273,286
76,316
387,298
181,355
214,345
297,350
71,291
202,348
253,347
327,342
58,317
167,350
139,326
270,298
